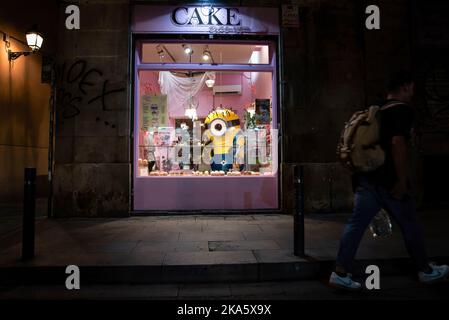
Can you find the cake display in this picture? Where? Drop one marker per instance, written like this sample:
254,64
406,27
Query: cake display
217,173
158,173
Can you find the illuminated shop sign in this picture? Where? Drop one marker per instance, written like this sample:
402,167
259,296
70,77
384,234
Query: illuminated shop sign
205,19
217,19
211,16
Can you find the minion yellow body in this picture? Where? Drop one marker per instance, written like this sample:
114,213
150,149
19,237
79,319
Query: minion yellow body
225,134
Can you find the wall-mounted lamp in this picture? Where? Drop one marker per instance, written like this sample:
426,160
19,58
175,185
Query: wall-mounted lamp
34,41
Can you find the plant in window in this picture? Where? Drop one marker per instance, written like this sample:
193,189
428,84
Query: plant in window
250,118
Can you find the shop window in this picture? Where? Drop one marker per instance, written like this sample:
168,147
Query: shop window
205,123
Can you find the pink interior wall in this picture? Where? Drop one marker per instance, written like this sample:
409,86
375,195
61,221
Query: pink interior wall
236,102
206,193
262,89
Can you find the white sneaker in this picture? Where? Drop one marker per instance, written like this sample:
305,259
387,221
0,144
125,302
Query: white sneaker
438,273
345,283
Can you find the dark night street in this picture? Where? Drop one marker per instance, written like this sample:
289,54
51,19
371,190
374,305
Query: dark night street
251,150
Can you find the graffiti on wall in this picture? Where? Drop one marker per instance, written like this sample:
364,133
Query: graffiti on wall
434,112
80,85
432,48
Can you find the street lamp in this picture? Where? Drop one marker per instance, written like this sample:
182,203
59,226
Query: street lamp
34,41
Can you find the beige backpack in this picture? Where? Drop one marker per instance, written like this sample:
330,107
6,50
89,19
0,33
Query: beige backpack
359,147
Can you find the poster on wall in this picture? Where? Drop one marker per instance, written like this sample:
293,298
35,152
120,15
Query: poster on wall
153,112
290,16
165,136
263,111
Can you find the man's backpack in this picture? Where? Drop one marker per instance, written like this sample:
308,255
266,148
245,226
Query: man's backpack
359,147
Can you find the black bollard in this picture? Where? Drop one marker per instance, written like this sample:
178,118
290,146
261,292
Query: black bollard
298,246
29,214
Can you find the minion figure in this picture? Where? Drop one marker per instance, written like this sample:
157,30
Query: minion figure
227,139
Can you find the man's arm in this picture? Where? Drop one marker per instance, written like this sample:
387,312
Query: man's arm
400,159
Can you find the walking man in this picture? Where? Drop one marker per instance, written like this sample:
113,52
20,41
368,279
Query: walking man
388,187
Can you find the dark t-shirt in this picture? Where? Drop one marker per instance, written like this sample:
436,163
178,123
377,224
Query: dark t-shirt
395,121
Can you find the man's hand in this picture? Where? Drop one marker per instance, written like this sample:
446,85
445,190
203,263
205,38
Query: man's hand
399,190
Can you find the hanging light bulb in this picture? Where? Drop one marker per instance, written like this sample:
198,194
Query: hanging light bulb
190,107
191,113
210,83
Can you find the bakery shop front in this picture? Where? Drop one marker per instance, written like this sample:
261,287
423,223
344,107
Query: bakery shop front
205,98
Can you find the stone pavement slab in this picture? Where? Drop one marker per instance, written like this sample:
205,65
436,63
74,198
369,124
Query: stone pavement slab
243,245
276,256
144,247
205,258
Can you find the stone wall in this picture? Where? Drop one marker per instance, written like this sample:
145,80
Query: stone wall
92,169
332,67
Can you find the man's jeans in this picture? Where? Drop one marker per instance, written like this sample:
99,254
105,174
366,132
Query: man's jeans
368,200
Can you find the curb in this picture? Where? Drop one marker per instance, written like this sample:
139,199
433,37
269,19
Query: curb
140,274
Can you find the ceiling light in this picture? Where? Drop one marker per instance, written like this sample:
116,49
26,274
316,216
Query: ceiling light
160,51
207,55
210,83
187,49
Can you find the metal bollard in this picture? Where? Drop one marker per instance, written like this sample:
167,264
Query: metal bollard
29,214
298,245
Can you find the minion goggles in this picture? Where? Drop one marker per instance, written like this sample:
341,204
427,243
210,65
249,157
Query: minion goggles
230,123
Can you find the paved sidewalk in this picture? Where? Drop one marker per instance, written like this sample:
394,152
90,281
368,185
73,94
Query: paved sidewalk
11,215
256,246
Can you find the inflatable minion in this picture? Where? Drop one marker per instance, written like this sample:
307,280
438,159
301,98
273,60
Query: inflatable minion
227,140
